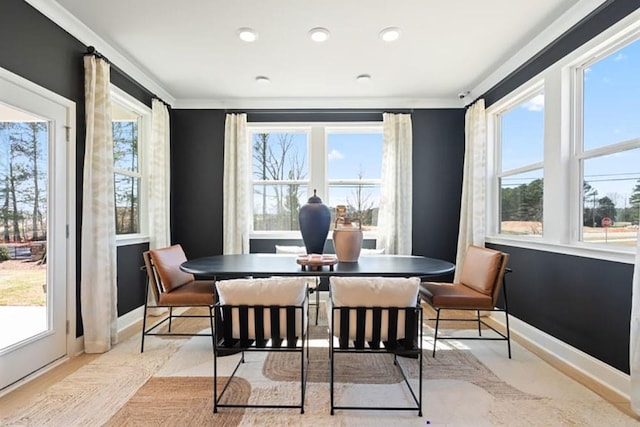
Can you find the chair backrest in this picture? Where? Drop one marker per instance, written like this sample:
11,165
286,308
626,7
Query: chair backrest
371,292
271,296
152,274
165,265
483,270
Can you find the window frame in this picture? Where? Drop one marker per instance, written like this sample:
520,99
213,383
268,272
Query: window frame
317,133
144,133
494,156
562,175
579,153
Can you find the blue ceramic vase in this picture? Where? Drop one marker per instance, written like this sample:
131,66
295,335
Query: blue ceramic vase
314,219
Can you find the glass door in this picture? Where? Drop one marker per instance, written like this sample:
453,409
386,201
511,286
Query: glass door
33,249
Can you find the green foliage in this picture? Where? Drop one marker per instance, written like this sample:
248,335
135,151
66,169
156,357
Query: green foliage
4,254
523,203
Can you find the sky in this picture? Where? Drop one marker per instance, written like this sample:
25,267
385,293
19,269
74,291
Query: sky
348,155
611,115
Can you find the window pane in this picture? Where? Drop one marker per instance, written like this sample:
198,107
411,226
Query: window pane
522,133
521,203
125,145
611,93
362,202
276,207
354,155
127,191
280,156
611,189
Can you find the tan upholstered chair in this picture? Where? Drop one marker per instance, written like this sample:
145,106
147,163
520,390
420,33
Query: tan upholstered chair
376,315
481,280
261,315
172,288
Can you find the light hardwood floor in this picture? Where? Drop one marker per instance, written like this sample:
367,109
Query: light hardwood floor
23,394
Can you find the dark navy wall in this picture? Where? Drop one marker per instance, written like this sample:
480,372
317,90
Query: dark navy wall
36,49
131,279
197,163
197,140
438,161
582,301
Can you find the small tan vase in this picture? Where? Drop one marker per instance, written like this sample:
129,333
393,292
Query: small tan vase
347,242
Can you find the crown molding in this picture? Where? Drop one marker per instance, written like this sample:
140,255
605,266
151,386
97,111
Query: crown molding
306,103
65,20
558,27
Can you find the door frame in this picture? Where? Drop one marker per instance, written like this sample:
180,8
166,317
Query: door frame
74,346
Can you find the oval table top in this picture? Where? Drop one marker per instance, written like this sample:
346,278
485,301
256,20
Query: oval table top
265,265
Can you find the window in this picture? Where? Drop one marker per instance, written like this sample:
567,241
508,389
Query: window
354,168
280,178
564,163
128,126
342,162
608,145
520,127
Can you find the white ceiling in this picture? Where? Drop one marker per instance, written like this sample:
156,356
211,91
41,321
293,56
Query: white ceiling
189,52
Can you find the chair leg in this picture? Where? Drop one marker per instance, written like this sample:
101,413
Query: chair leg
170,317
420,344
317,291
331,363
144,318
213,335
479,325
435,335
302,384
215,373
506,313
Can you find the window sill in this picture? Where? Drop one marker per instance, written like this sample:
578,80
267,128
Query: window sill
578,249
131,239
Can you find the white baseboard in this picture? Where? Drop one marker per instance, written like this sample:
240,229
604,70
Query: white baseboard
127,320
595,369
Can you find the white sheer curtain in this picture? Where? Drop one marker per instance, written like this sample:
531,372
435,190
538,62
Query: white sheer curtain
634,339
237,185
158,194
98,242
394,217
473,203
159,232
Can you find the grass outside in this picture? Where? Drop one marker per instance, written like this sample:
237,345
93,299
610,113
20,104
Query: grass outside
22,283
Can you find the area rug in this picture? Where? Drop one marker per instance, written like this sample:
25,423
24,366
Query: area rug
181,401
170,384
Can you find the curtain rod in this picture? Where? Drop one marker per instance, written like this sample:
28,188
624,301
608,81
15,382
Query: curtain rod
92,51
322,111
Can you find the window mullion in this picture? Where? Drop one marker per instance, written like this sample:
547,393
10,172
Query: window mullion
318,162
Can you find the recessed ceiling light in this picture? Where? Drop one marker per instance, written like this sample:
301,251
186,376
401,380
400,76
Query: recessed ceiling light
390,34
363,78
319,34
247,34
263,80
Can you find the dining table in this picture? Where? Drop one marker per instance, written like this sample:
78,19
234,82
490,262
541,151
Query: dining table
268,264
258,265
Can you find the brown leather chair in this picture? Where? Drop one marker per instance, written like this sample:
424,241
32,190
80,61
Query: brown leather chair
481,279
375,315
171,288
